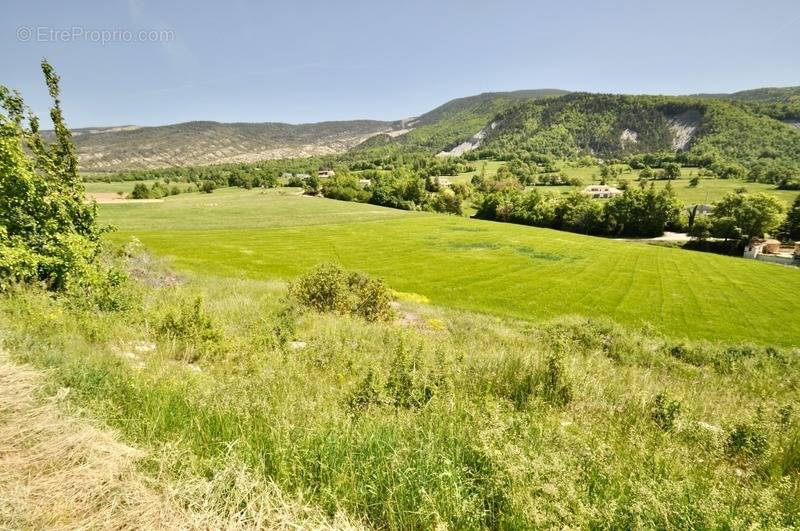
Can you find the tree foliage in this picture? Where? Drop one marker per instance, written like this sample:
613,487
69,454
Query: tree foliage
748,215
48,232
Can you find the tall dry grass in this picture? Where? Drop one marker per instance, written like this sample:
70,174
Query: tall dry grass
61,471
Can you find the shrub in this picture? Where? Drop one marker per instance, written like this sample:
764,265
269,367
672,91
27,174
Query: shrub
367,393
556,388
208,186
746,440
140,191
284,325
329,288
407,385
664,411
192,328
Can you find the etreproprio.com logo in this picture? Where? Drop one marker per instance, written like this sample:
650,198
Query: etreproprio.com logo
92,35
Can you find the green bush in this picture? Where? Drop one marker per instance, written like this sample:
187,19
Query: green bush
329,288
746,440
140,191
191,329
664,411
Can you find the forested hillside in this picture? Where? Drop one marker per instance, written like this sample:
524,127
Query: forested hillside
616,126
782,103
452,123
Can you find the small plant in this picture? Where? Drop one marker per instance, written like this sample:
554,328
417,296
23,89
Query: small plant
746,440
556,388
664,411
406,385
329,288
367,393
284,325
193,328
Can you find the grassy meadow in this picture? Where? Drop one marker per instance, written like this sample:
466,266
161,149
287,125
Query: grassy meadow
114,186
272,415
707,191
500,269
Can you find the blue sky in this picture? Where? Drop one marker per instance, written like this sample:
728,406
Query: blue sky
304,61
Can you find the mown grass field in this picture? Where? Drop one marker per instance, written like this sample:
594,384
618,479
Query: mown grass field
494,268
114,186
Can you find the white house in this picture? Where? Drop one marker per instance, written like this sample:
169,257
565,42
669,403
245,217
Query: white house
601,191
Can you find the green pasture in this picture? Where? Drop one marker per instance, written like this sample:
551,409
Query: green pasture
491,167
494,268
115,186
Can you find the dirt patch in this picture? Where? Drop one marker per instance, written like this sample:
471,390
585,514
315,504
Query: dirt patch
112,197
58,471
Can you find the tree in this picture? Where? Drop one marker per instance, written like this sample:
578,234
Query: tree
752,215
140,191
790,229
646,174
606,172
700,229
672,170
48,233
578,212
447,202
642,212
208,186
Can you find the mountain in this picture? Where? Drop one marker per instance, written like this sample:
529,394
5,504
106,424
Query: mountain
551,123
199,143
609,125
763,95
448,126
781,103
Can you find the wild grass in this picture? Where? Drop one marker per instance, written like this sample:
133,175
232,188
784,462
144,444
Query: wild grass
496,268
441,418
60,470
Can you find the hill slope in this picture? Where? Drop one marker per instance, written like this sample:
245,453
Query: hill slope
613,126
764,95
198,143
453,123
550,122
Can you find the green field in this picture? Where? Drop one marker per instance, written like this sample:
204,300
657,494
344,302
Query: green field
711,190
491,170
488,267
708,191
115,186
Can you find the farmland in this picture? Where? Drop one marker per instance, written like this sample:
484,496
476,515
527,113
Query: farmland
218,351
707,191
494,268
